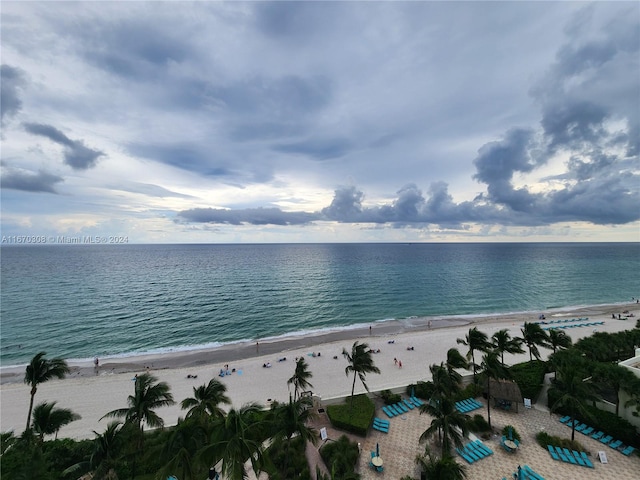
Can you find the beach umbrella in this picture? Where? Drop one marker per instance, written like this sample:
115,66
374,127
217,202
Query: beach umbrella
377,449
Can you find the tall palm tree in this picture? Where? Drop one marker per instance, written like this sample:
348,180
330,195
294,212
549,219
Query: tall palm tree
206,400
41,370
445,468
360,363
48,420
502,342
185,440
475,340
148,396
236,439
534,336
445,383
300,378
617,378
455,360
492,369
575,390
291,419
558,339
448,423
103,459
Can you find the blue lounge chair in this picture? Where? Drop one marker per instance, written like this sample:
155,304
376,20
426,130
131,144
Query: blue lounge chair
586,460
627,451
598,435
552,452
531,474
587,431
390,413
482,446
416,401
402,407
464,455
606,439
581,427
565,419
569,456
408,404
578,458
561,454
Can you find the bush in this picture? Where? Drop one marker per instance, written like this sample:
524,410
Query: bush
544,439
529,376
355,420
422,390
341,457
509,430
297,465
478,424
470,391
390,398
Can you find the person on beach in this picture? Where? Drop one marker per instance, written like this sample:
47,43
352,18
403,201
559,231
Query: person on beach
395,361
399,363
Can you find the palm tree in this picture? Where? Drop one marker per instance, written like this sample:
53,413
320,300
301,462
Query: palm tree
360,363
448,423
533,335
475,340
148,395
455,360
492,369
185,439
102,461
291,419
617,378
445,382
300,378
575,390
48,420
445,468
558,339
236,439
502,342
206,400
41,370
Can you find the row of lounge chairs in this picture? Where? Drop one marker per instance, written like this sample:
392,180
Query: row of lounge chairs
474,451
574,325
599,435
569,456
563,320
381,425
401,407
468,405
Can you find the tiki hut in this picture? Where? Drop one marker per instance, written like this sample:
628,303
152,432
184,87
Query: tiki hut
505,394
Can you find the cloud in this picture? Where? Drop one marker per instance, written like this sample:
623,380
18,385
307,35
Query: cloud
42,181
12,80
76,154
252,216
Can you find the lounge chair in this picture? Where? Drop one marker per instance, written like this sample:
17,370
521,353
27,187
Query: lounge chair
586,460
464,455
581,427
627,451
561,454
482,446
408,404
402,407
569,455
530,473
390,413
598,435
587,431
606,439
578,458
615,444
416,401
553,453
565,419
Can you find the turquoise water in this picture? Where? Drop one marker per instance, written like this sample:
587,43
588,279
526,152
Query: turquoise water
78,301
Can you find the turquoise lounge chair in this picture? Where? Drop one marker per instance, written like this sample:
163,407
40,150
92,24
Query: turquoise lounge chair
552,452
627,451
606,439
587,431
565,419
598,435
569,456
586,460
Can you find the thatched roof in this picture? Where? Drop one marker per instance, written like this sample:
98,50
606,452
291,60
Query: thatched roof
505,390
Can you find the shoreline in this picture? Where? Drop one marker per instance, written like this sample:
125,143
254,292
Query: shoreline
91,394
244,350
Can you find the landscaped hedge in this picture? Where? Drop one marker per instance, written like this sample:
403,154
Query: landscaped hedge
422,390
390,398
354,419
529,376
544,439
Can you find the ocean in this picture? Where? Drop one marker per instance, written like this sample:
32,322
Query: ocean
79,301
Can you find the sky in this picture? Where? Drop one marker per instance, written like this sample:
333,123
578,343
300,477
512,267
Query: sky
261,122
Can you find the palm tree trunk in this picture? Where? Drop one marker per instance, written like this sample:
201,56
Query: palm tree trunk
33,394
489,402
353,389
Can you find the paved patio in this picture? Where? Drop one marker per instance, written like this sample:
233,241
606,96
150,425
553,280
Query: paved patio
400,446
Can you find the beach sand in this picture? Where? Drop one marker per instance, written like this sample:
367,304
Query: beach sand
92,395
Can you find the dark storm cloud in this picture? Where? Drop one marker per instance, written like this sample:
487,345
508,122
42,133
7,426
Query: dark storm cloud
76,154
183,156
12,80
42,181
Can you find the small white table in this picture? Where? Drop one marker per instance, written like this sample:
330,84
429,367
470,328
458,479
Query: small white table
377,461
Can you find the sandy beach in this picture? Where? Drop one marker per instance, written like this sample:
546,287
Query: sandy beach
92,394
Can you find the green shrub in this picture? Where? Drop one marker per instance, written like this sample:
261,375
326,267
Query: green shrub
341,457
544,439
478,424
470,391
422,390
390,398
354,419
529,376
510,431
